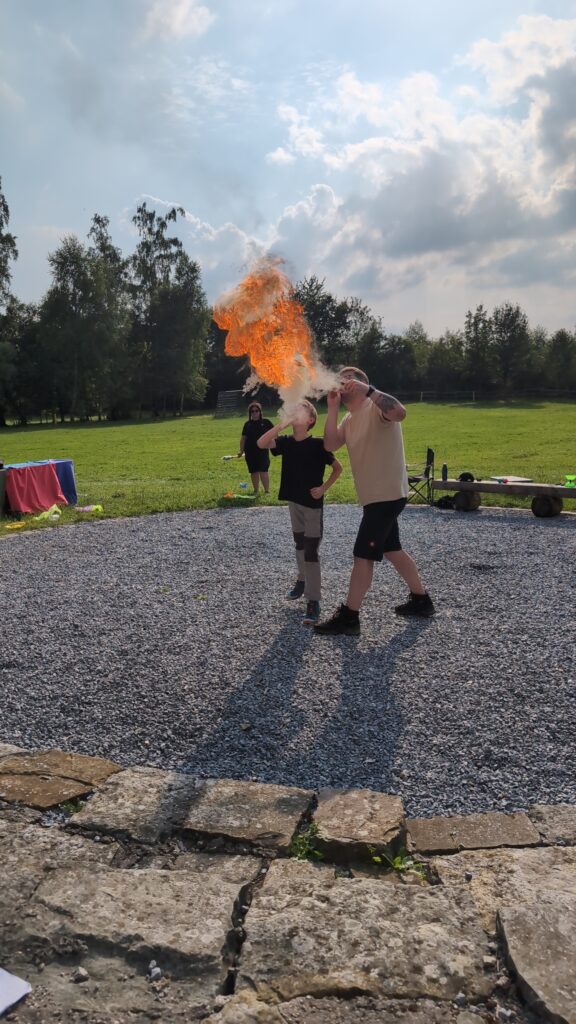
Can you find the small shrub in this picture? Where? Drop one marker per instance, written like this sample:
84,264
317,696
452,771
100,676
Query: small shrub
400,863
303,845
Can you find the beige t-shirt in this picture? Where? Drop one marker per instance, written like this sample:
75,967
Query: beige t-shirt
377,457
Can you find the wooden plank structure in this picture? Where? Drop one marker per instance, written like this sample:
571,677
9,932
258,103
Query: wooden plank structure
547,498
228,403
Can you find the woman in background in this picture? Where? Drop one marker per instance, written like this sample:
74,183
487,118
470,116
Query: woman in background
257,459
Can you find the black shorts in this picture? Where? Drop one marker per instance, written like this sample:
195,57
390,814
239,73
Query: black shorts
378,531
258,461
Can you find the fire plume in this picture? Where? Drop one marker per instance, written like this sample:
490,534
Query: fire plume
265,322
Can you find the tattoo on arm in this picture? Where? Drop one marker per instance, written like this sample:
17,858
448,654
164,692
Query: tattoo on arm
385,402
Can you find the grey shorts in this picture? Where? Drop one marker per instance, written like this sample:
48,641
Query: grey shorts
306,520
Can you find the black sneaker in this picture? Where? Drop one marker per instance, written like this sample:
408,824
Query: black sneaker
342,622
417,604
312,614
297,591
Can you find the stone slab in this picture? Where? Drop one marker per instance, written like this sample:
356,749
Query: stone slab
246,1008
541,948
351,821
61,763
18,812
255,813
505,878
39,790
470,832
556,823
27,854
234,870
111,994
6,749
181,919
309,932
144,804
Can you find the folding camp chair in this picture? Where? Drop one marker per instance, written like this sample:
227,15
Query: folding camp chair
420,483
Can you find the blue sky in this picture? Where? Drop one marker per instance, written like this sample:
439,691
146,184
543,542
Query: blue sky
421,156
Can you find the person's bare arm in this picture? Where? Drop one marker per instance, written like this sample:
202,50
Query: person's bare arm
333,434
242,445
390,408
268,440
319,492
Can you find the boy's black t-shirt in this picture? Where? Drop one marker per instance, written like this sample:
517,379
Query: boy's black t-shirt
303,464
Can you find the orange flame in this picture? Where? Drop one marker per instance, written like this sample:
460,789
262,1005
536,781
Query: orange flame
265,322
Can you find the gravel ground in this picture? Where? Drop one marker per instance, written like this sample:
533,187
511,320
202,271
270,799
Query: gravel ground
167,641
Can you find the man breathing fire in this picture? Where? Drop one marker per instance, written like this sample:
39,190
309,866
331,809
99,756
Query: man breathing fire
372,433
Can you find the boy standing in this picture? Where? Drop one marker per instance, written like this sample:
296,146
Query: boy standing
304,459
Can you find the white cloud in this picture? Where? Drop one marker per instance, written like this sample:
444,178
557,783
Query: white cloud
204,85
438,187
538,44
176,19
280,156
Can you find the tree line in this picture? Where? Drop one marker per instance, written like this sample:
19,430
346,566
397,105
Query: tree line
117,337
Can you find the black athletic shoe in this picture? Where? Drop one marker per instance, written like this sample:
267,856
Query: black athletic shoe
417,604
342,622
297,591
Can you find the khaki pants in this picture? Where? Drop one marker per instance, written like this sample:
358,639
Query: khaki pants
307,532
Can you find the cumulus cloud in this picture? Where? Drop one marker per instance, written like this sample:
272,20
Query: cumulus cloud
280,156
538,45
176,19
477,178
427,186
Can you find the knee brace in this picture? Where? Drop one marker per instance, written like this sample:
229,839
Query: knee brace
311,545
299,541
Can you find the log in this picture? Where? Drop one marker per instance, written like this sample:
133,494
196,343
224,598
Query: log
545,506
491,487
466,501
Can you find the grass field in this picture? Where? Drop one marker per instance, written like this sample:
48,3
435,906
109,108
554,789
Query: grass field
170,465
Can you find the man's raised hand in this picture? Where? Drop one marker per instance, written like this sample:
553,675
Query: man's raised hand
353,387
333,400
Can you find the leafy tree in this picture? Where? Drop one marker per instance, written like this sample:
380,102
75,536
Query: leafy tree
417,337
171,317
562,360
399,364
330,320
8,250
446,362
224,373
112,386
7,374
511,344
71,331
26,367
369,353
479,361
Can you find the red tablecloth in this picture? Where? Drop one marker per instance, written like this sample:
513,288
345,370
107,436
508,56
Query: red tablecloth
33,488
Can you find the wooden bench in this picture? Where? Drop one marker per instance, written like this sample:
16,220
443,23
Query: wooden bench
547,498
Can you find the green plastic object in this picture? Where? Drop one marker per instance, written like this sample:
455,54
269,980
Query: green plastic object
236,500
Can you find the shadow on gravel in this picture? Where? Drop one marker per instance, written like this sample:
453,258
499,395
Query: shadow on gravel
364,729
280,726
259,718
512,518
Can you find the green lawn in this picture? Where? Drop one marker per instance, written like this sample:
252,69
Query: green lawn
162,466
